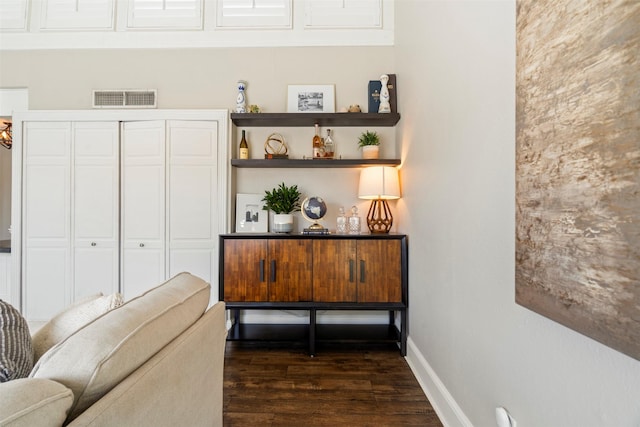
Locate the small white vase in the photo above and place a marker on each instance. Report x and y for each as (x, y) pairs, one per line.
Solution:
(385, 106)
(282, 223)
(241, 101)
(370, 151)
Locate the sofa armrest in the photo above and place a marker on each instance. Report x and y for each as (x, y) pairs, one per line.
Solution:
(34, 402)
(181, 385)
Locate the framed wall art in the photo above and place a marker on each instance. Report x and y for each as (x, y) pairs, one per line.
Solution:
(311, 99)
(577, 168)
(250, 217)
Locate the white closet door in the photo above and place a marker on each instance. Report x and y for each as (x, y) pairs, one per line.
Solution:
(192, 196)
(46, 219)
(143, 206)
(95, 219)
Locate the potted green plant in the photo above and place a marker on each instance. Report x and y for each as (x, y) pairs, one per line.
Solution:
(370, 144)
(283, 201)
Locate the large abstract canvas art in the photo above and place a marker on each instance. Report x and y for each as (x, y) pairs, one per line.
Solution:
(578, 166)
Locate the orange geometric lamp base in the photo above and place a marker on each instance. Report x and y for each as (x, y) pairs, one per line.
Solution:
(379, 218)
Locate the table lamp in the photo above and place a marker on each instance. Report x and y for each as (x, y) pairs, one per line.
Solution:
(379, 184)
(6, 135)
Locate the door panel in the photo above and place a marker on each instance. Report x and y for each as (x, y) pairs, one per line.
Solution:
(46, 219)
(143, 206)
(192, 197)
(379, 271)
(143, 269)
(245, 270)
(334, 271)
(45, 284)
(96, 208)
(193, 260)
(292, 278)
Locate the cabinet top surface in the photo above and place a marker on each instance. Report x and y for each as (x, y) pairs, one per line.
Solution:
(310, 236)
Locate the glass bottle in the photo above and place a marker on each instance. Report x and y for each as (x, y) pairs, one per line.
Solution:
(244, 147)
(317, 142)
(329, 146)
(341, 222)
(354, 221)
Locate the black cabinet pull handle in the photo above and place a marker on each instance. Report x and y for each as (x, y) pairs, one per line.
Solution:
(273, 271)
(361, 271)
(351, 270)
(262, 270)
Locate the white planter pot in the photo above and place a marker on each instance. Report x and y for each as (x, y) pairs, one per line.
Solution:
(282, 223)
(370, 151)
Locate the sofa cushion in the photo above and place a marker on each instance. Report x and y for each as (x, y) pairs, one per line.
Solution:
(71, 319)
(98, 356)
(16, 351)
(31, 402)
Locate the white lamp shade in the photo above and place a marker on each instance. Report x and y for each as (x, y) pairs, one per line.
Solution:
(379, 182)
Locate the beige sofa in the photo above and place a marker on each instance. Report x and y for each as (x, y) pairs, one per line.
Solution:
(155, 361)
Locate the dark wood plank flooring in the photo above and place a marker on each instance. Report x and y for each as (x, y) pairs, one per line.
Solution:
(341, 386)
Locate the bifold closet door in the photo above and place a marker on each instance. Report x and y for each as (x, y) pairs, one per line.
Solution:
(46, 216)
(143, 206)
(70, 214)
(192, 196)
(96, 211)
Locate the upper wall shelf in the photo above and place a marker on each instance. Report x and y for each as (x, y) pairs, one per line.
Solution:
(311, 163)
(310, 119)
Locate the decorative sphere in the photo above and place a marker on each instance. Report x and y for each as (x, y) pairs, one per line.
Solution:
(313, 208)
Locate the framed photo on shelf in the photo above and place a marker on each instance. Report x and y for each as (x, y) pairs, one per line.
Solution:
(311, 99)
(250, 217)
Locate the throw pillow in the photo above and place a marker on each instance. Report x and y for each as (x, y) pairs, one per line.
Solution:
(71, 319)
(16, 351)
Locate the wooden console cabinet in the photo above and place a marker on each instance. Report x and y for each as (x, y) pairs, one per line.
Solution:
(312, 273)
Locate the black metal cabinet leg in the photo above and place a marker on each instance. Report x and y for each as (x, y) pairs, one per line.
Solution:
(403, 333)
(312, 332)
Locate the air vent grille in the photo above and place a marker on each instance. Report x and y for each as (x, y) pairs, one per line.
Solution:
(124, 98)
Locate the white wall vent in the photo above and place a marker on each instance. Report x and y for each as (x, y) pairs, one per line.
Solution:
(125, 98)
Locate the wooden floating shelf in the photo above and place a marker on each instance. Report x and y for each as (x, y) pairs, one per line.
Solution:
(310, 119)
(311, 163)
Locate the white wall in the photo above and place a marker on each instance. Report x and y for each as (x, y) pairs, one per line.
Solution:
(458, 136)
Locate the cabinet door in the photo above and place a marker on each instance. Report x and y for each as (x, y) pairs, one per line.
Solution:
(334, 271)
(95, 211)
(290, 270)
(245, 270)
(379, 271)
(46, 219)
(192, 197)
(143, 206)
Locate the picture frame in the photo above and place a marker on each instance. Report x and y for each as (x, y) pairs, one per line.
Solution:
(311, 99)
(250, 217)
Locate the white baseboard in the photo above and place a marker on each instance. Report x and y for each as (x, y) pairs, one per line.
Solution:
(444, 404)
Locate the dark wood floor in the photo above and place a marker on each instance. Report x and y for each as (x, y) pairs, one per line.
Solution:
(345, 386)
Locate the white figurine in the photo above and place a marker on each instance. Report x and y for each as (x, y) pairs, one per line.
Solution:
(385, 106)
(241, 102)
